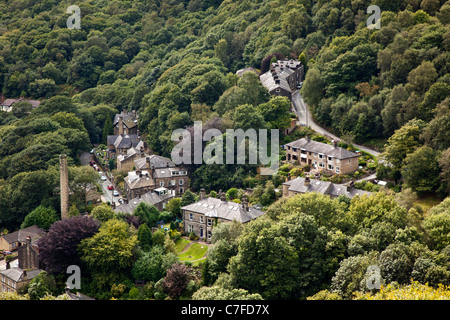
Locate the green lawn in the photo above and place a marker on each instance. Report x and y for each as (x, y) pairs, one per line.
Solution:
(181, 244)
(195, 251)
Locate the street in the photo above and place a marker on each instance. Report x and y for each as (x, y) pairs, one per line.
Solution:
(107, 195)
(305, 118)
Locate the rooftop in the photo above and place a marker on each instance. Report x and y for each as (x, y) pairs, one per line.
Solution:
(149, 197)
(324, 187)
(322, 148)
(21, 235)
(228, 210)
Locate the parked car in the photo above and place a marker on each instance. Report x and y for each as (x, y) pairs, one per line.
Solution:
(116, 193)
(103, 178)
(92, 163)
(110, 187)
(6, 252)
(92, 151)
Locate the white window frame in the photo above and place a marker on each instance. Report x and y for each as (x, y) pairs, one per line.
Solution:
(337, 170)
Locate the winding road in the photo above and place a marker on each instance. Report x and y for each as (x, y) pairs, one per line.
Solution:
(305, 118)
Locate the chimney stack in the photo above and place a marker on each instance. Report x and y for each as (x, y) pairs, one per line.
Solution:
(350, 186)
(308, 138)
(245, 203)
(202, 194)
(120, 125)
(64, 186)
(335, 143)
(307, 180)
(223, 197)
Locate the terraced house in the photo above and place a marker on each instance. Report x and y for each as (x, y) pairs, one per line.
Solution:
(322, 156)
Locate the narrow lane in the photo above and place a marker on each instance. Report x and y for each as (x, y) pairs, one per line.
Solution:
(305, 118)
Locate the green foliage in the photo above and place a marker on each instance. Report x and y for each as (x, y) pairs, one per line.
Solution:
(42, 216)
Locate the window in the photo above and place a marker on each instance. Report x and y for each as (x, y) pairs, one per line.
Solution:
(209, 222)
(181, 190)
(278, 90)
(209, 235)
(190, 228)
(190, 216)
(181, 181)
(161, 183)
(201, 219)
(321, 165)
(320, 156)
(330, 167)
(337, 169)
(330, 158)
(315, 154)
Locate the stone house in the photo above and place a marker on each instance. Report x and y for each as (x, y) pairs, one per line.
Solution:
(322, 156)
(126, 123)
(303, 185)
(8, 104)
(200, 217)
(175, 179)
(14, 240)
(122, 143)
(12, 279)
(158, 197)
(283, 78)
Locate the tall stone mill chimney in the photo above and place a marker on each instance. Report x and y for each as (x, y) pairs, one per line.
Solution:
(64, 186)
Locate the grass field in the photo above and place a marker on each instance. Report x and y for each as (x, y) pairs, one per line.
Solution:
(181, 244)
(194, 252)
(191, 251)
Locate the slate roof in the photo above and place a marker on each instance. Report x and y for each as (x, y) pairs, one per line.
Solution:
(9, 102)
(320, 147)
(124, 141)
(324, 187)
(16, 274)
(155, 161)
(281, 69)
(228, 210)
(21, 235)
(149, 197)
(136, 181)
(167, 172)
(127, 118)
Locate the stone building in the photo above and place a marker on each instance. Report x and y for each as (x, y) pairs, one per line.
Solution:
(158, 197)
(283, 78)
(175, 179)
(303, 185)
(12, 279)
(14, 240)
(200, 217)
(322, 156)
(126, 123)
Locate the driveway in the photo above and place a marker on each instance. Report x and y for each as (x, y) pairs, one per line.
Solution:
(305, 117)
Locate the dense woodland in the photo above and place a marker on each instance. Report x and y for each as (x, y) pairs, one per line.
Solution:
(175, 62)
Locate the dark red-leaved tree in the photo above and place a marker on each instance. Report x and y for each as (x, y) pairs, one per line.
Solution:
(58, 247)
(177, 279)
